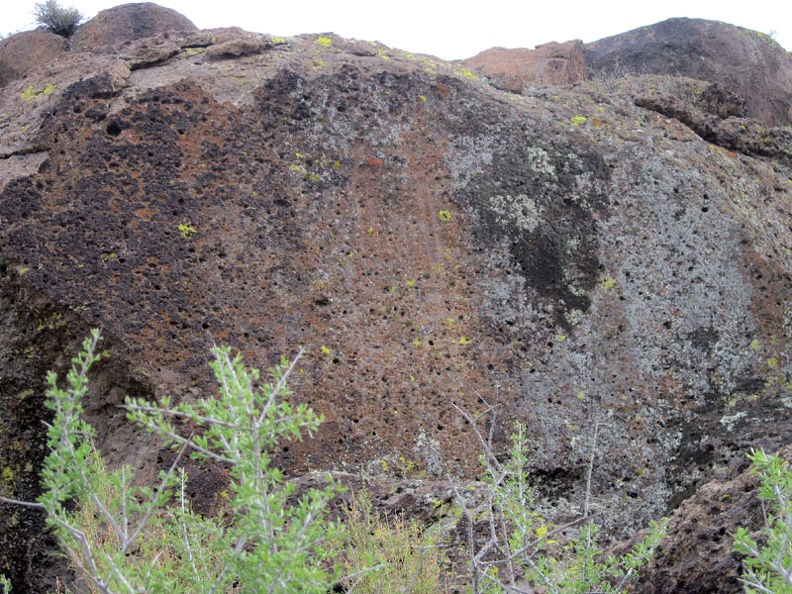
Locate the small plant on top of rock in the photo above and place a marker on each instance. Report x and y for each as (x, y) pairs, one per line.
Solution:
(389, 555)
(61, 21)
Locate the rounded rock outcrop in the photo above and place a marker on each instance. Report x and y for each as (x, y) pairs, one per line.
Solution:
(129, 22)
(513, 69)
(27, 50)
(745, 62)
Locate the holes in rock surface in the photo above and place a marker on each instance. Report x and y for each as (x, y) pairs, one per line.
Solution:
(114, 128)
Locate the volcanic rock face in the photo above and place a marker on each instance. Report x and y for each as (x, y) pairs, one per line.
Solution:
(564, 258)
(745, 62)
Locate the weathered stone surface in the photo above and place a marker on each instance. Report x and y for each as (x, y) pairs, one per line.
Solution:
(565, 256)
(697, 555)
(743, 135)
(513, 69)
(24, 51)
(747, 63)
(115, 26)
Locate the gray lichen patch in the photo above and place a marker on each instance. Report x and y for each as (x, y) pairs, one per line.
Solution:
(540, 200)
(539, 161)
(518, 211)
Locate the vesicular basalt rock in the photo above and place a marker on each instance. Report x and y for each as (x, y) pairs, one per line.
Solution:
(565, 256)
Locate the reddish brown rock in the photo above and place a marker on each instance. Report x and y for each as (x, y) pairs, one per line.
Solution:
(697, 554)
(513, 69)
(128, 22)
(24, 51)
(748, 63)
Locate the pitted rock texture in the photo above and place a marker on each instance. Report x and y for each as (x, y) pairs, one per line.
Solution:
(747, 63)
(697, 555)
(564, 258)
(514, 69)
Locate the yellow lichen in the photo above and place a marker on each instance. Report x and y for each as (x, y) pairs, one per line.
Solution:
(607, 283)
(33, 93)
(187, 231)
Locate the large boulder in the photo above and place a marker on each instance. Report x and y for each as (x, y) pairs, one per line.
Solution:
(22, 52)
(697, 556)
(748, 63)
(129, 22)
(563, 258)
(514, 69)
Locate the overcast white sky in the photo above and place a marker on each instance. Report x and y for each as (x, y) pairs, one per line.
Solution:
(449, 30)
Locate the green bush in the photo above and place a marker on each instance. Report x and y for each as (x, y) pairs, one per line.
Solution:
(768, 566)
(61, 21)
(127, 538)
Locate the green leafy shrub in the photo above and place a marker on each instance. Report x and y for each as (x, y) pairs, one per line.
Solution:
(768, 566)
(589, 570)
(61, 21)
(127, 538)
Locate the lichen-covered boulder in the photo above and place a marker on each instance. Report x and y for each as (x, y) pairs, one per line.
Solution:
(564, 258)
(747, 63)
